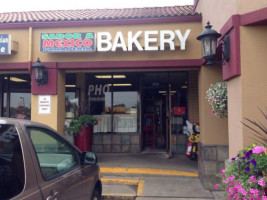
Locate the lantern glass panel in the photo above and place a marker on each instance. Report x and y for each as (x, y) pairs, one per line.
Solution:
(38, 72)
(209, 45)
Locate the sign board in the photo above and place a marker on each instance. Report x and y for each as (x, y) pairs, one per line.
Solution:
(152, 40)
(67, 42)
(44, 104)
(5, 44)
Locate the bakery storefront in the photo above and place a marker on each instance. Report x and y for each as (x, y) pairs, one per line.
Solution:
(140, 72)
(131, 72)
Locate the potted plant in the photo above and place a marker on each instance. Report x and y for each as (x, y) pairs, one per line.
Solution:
(217, 98)
(245, 177)
(81, 127)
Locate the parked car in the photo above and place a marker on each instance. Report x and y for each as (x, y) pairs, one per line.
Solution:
(36, 163)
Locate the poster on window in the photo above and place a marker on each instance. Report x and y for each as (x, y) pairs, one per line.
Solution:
(44, 104)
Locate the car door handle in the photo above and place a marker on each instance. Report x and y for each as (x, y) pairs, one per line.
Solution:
(53, 196)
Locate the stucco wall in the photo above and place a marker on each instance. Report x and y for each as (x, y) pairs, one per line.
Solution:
(244, 6)
(22, 37)
(217, 12)
(213, 130)
(247, 92)
(254, 70)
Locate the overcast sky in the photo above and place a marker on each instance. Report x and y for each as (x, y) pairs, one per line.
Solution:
(34, 5)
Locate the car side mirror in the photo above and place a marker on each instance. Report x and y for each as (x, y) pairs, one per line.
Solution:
(88, 158)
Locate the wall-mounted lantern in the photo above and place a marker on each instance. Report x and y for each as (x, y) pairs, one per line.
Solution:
(208, 40)
(40, 73)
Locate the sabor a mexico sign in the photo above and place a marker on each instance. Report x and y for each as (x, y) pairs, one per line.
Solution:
(103, 41)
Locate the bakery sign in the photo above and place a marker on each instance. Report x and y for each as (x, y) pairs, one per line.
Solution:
(152, 40)
(5, 44)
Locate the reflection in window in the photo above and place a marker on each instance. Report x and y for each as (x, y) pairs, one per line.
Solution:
(20, 105)
(125, 111)
(55, 156)
(11, 163)
(16, 102)
(113, 100)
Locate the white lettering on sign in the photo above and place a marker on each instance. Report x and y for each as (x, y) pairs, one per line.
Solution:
(133, 40)
(168, 40)
(149, 39)
(44, 104)
(98, 90)
(166, 37)
(104, 41)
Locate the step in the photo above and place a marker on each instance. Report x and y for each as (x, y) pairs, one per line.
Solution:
(121, 188)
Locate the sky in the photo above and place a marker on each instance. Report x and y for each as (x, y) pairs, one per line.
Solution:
(37, 5)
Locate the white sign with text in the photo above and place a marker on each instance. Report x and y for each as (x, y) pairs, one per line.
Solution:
(44, 104)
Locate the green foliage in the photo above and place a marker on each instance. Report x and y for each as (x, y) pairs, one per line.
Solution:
(77, 122)
(259, 130)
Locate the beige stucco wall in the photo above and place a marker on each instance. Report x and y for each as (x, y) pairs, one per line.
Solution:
(216, 11)
(56, 118)
(244, 6)
(22, 37)
(234, 92)
(213, 130)
(247, 92)
(219, 11)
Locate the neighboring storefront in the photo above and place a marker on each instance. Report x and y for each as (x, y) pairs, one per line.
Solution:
(141, 73)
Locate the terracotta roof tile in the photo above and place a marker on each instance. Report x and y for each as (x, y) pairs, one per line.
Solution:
(96, 14)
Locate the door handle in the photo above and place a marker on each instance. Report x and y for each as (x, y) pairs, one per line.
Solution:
(53, 196)
(49, 198)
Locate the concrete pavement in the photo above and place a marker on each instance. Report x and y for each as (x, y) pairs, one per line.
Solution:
(151, 176)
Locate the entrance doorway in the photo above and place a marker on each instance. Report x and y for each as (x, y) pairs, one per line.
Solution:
(161, 93)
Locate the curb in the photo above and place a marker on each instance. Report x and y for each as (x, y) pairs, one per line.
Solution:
(147, 171)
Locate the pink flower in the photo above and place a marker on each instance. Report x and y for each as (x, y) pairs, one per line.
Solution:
(258, 150)
(216, 187)
(254, 191)
(264, 197)
(243, 191)
(261, 182)
(231, 178)
(253, 179)
(222, 172)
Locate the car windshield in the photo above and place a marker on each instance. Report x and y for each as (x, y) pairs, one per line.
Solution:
(11, 163)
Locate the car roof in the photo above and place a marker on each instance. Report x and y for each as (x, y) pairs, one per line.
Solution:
(5, 120)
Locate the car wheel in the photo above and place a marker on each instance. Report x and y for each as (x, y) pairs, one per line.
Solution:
(96, 195)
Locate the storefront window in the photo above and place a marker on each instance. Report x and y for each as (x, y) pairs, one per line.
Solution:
(20, 105)
(125, 111)
(113, 99)
(16, 96)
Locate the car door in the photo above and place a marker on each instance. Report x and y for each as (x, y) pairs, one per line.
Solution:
(61, 177)
(17, 174)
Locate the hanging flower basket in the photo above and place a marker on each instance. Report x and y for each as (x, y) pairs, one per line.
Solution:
(217, 98)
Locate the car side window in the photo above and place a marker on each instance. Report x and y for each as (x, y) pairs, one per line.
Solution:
(11, 162)
(55, 155)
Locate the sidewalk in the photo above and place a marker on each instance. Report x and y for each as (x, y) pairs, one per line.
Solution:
(151, 176)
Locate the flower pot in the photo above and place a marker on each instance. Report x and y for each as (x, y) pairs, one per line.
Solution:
(84, 139)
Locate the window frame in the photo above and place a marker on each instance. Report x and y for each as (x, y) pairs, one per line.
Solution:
(57, 137)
